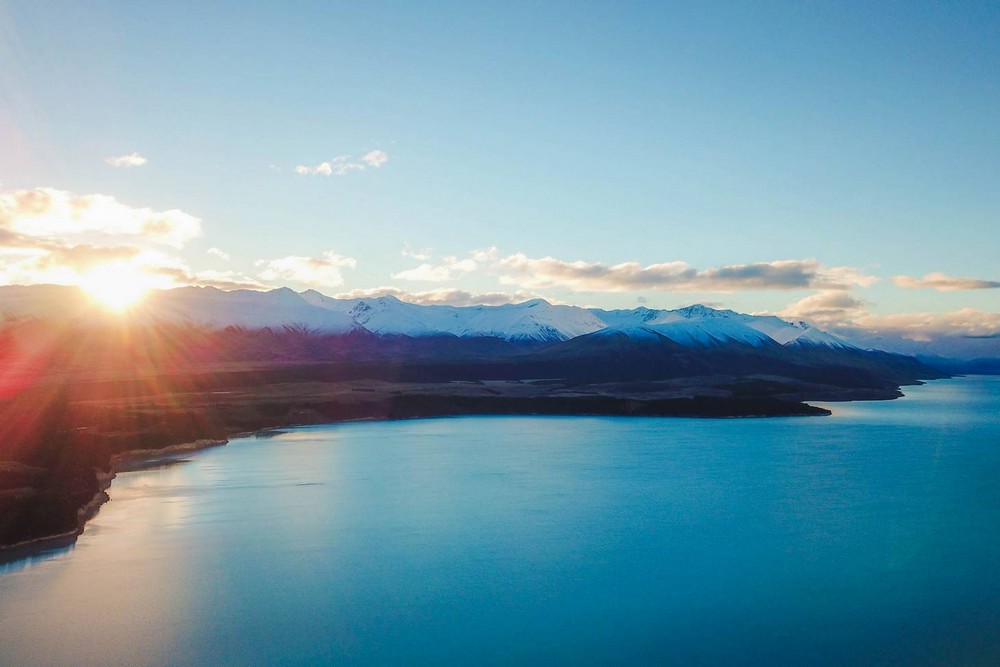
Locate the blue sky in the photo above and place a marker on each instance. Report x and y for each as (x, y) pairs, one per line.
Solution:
(855, 143)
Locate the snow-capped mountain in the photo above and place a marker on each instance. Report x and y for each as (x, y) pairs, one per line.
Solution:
(795, 333)
(701, 326)
(246, 308)
(639, 333)
(535, 320)
(710, 332)
(531, 321)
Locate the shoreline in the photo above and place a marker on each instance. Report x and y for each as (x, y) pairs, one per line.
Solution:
(134, 460)
(699, 407)
(127, 461)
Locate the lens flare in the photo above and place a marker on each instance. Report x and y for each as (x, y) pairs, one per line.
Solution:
(116, 286)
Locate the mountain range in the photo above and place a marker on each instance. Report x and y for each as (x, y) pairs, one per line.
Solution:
(80, 385)
(531, 322)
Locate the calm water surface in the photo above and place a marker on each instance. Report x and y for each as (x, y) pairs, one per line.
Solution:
(869, 537)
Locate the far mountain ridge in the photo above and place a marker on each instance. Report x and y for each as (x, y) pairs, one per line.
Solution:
(535, 321)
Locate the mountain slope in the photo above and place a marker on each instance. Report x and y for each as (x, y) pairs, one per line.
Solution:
(701, 326)
(209, 306)
(535, 320)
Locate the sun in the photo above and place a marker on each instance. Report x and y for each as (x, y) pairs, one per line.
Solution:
(116, 286)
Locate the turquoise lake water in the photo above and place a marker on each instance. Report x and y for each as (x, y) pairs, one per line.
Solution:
(868, 537)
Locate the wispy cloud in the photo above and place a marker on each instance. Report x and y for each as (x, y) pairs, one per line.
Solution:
(447, 297)
(449, 269)
(126, 161)
(375, 158)
(335, 167)
(678, 276)
(419, 255)
(944, 283)
(224, 280)
(485, 255)
(215, 252)
(344, 164)
(323, 271)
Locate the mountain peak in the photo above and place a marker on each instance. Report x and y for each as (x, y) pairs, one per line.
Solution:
(285, 294)
(701, 310)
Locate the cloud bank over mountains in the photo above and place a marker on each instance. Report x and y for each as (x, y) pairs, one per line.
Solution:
(442, 297)
(49, 235)
(675, 276)
(846, 314)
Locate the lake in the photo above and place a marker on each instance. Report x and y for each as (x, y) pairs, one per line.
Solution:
(871, 536)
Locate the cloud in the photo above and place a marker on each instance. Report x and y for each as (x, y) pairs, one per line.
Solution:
(72, 264)
(968, 322)
(46, 212)
(447, 297)
(53, 236)
(343, 165)
(450, 268)
(215, 252)
(322, 168)
(419, 255)
(829, 307)
(484, 255)
(375, 158)
(126, 161)
(224, 280)
(26, 266)
(323, 271)
(425, 272)
(336, 166)
(519, 269)
(84, 257)
(843, 313)
(944, 283)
